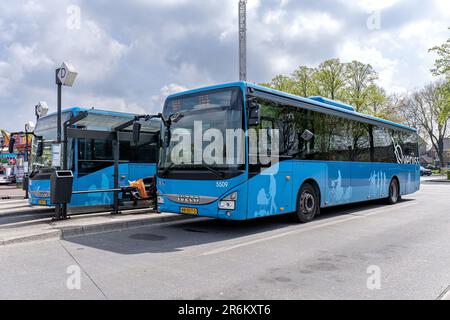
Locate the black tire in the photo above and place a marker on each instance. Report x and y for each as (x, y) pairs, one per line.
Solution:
(308, 204)
(394, 192)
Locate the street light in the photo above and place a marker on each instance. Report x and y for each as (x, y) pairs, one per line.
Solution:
(41, 110)
(29, 128)
(65, 76)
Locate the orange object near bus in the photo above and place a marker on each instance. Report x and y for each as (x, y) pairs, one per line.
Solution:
(139, 184)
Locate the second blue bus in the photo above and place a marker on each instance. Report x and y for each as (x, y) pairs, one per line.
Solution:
(91, 159)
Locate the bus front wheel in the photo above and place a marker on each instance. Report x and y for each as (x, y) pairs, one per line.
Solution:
(394, 192)
(308, 204)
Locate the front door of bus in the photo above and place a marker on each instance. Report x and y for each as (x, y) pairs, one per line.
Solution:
(270, 191)
(270, 181)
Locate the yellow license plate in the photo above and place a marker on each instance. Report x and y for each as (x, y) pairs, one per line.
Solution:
(42, 202)
(189, 211)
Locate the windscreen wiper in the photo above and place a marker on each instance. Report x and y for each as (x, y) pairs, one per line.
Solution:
(168, 169)
(217, 173)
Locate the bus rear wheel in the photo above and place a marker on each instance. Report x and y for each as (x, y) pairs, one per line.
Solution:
(308, 204)
(394, 192)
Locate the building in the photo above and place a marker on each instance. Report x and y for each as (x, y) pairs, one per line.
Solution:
(433, 154)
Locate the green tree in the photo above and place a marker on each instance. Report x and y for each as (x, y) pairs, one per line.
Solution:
(331, 79)
(282, 83)
(304, 79)
(442, 64)
(361, 90)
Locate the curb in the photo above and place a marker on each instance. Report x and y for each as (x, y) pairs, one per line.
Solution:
(435, 181)
(52, 234)
(71, 232)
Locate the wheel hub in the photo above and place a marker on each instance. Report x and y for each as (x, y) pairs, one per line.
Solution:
(307, 203)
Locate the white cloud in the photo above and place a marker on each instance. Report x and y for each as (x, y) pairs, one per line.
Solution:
(131, 55)
(387, 68)
(370, 5)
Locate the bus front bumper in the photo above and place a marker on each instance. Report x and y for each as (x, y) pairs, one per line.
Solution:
(208, 210)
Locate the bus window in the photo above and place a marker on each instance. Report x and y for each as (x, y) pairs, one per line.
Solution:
(360, 149)
(384, 148)
(94, 155)
(141, 153)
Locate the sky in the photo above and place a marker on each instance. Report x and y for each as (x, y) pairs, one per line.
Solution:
(131, 54)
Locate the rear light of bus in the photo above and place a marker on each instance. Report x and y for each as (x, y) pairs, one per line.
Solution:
(229, 202)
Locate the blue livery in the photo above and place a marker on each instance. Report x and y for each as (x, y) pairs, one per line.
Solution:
(91, 160)
(329, 155)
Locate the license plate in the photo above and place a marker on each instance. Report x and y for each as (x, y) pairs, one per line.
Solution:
(42, 202)
(189, 211)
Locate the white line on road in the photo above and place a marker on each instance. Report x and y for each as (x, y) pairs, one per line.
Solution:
(445, 295)
(302, 229)
(7, 202)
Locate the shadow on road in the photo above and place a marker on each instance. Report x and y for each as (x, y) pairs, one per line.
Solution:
(173, 237)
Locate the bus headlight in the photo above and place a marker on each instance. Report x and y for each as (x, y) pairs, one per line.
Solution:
(227, 205)
(160, 200)
(229, 202)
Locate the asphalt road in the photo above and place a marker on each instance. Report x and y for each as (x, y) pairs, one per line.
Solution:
(334, 257)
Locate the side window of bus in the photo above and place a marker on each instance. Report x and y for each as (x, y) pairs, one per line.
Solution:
(143, 152)
(410, 144)
(340, 139)
(361, 142)
(94, 155)
(384, 148)
(273, 117)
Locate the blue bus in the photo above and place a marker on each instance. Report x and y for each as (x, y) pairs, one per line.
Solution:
(327, 155)
(90, 157)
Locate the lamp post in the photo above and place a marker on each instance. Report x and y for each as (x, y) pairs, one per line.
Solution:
(29, 128)
(65, 76)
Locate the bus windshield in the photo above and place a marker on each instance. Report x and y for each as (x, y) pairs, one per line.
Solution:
(217, 111)
(46, 130)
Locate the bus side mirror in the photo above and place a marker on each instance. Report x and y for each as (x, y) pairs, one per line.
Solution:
(12, 141)
(40, 148)
(136, 132)
(167, 137)
(254, 113)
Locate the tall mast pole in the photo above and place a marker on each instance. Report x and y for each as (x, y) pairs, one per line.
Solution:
(243, 40)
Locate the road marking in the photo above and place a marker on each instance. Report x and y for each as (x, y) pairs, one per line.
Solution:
(5, 202)
(298, 230)
(445, 295)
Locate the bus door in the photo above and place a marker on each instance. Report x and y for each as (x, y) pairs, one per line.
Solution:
(270, 183)
(95, 171)
(142, 156)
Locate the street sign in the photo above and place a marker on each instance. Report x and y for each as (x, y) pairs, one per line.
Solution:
(56, 155)
(67, 74)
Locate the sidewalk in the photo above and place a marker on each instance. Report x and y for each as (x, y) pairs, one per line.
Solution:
(44, 229)
(435, 179)
(11, 192)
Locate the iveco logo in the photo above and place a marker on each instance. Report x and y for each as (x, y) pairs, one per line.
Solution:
(188, 199)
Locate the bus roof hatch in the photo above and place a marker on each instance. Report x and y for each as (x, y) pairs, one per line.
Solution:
(332, 103)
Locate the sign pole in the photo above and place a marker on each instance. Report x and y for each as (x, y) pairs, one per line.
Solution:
(59, 84)
(60, 212)
(65, 75)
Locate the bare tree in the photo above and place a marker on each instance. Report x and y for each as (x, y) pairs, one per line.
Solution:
(428, 110)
